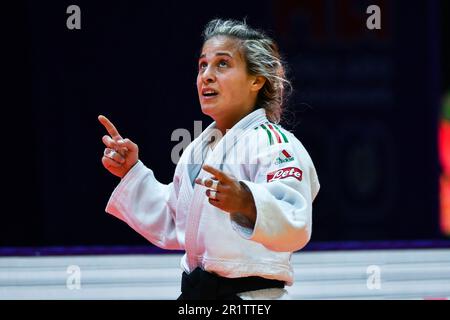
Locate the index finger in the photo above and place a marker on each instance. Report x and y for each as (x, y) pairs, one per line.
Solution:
(109, 127)
(220, 175)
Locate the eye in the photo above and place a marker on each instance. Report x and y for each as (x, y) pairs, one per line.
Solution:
(223, 63)
(202, 65)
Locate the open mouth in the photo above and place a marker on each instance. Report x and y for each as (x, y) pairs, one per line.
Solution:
(208, 93)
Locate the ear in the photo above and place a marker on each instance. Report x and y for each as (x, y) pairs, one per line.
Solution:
(258, 83)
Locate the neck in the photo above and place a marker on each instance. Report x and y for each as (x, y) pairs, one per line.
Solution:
(226, 123)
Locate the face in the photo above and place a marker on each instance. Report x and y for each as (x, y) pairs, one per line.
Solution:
(226, 91)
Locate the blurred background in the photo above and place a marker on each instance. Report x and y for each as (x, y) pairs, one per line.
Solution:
(372, 107)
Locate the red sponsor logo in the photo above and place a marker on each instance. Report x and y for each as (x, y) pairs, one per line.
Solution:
(285, 173)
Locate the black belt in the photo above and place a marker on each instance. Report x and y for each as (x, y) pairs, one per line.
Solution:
(202, 285)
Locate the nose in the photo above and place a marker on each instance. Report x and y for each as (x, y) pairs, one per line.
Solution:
(208, 75)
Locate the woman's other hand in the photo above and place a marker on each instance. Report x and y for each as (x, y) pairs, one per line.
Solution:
(228, 194)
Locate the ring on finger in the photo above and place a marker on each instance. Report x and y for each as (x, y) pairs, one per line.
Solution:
(212, 194)
(214, 184)
(110, 153)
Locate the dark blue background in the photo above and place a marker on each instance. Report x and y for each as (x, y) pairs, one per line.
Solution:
(365, 104)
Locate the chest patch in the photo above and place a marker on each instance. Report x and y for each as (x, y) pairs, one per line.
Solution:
(283, 157)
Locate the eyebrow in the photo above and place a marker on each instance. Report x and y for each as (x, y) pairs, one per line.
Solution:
(217, 54)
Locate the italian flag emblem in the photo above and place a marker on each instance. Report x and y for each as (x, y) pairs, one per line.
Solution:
(284, 157)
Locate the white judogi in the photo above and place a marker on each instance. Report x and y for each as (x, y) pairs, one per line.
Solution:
(269, 160)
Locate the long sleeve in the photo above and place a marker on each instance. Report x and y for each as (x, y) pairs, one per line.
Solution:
(147, 206)
(284, 184)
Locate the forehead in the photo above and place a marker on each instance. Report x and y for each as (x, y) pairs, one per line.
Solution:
(220, 44)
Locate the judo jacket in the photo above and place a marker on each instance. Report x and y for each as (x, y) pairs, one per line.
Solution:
(275, 167)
